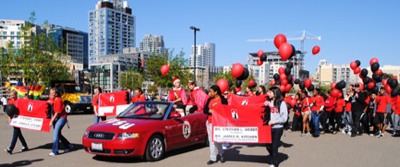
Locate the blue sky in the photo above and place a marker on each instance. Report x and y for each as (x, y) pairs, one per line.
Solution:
(350, 30)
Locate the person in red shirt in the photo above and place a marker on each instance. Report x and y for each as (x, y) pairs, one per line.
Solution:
(297, 122)
(338, 111)
(95, 104)
(305, 112)
(197, 98)
(59, 119)
(328, 113)
(347, 115)
(381, 104)
(316, 110)
(178, 96)
(249, 91)
(396, 108)
(139, 96)
(215, 98)
(12, 108)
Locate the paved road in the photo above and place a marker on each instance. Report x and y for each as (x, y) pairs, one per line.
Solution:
(328, 150)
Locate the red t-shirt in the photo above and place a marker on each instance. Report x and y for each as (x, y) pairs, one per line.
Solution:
(59, 107)
(11, 101)
(213, 102)
(397, 105)
(381, 102)
(138, 98)
(305, 104)
(318, 102)
(330, 104)
(95, 102)
(348, 106)
(339, 105)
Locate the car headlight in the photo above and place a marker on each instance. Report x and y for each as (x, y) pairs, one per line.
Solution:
(128, 135)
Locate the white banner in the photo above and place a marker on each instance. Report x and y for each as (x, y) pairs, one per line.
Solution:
(27, 122)
(105, 110)
(235, 134)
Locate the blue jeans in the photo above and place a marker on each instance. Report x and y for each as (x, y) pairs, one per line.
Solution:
(347, 118)
(315, 118)
(396, 123)
(17, 134)
(98, 118)
(57, 136)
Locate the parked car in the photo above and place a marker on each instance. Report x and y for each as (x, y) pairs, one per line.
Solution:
(145, 129)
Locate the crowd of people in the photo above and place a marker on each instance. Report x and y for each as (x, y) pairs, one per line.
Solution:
(353, 113)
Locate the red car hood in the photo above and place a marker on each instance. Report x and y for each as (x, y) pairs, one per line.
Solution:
(123, 124)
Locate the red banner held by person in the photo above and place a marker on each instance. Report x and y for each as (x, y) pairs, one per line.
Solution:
(111, 104)
(240, 124)
(32, 115)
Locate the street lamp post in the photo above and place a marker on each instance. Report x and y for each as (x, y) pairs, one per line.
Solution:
(195, 29)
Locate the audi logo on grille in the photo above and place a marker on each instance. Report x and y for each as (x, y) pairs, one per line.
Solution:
(99, 135)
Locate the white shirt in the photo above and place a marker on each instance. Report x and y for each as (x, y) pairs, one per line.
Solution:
(4, 100)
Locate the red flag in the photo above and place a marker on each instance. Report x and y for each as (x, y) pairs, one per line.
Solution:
(111, 104)
(236, 100)
(32, 115)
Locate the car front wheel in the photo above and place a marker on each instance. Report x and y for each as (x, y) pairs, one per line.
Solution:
(155, 149)
(68, 108)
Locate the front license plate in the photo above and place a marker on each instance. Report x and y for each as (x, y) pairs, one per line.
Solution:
(97, 146)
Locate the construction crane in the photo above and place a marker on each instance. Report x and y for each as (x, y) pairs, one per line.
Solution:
(304, 36)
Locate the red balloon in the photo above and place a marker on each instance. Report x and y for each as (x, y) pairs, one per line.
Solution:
(251, 83)
(371, 85)
(353, 65)
(357, 70)
(285, 50)
(315, 50)
(281, 70)
(237, 70)
(282, 88)
(333, 85)
(284, 82)
(272, 82)
(307, 82)
(388, 89)
(223, 84)
(288, 87)
(378, 72)
(361, 86)
(164, 70)
(279, 39)
(283, 77)
(340, 94)
(259, 62)
(260, 53)
(335, 93)
(373, 60)
(384, 82)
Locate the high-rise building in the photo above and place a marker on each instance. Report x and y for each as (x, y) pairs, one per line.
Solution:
(153, 44)
(111, 28)
(11, 31)
(205, 55)
(75, 42)
(329, 73)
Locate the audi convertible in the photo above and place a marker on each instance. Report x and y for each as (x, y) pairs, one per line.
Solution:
(146, 129)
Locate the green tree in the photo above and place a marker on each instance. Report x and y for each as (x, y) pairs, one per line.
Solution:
(178, 69)
(38, 59)
(131, 79)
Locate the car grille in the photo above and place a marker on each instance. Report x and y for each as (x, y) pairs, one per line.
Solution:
(85, 99)
(105, 151)
(101, 135)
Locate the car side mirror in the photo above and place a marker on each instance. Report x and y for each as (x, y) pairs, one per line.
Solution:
(175, 114)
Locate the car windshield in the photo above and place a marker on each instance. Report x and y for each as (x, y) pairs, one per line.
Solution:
(145, 110)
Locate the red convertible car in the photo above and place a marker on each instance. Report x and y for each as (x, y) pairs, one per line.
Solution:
(145, 129)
